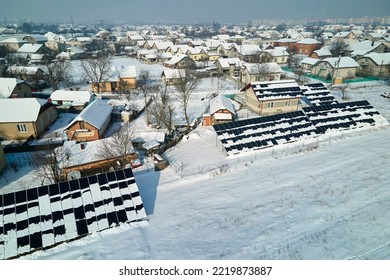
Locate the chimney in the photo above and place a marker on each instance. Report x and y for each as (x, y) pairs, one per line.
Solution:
(82, 146)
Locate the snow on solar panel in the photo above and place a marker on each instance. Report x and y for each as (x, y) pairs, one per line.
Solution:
(265, 132)
(41, 217)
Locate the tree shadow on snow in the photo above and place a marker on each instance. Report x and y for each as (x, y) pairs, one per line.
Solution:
(147, 185)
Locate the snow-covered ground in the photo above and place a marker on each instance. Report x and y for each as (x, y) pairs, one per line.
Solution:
(294, 202)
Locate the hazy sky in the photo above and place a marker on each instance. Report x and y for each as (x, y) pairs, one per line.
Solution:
(184, 11)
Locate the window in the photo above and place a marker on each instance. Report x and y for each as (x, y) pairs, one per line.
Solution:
(21, 127)
(288, 103)
(270, 105)
(82, 126)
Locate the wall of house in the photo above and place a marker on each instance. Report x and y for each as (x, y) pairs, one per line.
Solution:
(246, 78)
(10, 131)
(45, 119)
(252, 102)
(130, 82)
(88, 133)
(307, 49)
(21, 91)
(279, 106)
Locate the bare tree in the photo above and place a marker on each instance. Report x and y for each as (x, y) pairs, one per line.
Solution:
(185, 86)
(57, 72)
(161, 109)
(338, 48)
(97, 69)
(117, 148)
(145, 86)
(46, 162)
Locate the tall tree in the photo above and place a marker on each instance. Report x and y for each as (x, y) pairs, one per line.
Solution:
(187, 82)
(58, 71)
(161, 110)
(145, 86)
(97, 69)
(338, 48)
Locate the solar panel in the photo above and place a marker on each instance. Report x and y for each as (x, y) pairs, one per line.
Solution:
(44, 216)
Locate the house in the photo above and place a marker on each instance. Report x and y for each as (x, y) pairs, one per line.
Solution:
(179, 61)
(278, 55)
(223, 49)
(147, 56)
(12, 44)
(35, 39)
(27, 73)
(24, 118)
(290, 44)
(221, 111)
(3, 162)
(172, 76)
(248, 53)
(65, 99)
(255, 72)
(375, 64)
(91, 123)
(360, 49)
(122, 79)
(307, 64)
(71, 53)
(229, 66)
(321, 53)
(32, 53)
(272, 97)
(152, 141)
(347, 37)
(307, 46)
(14, 88)
(336, 69)
(87, 158)
(197, 54)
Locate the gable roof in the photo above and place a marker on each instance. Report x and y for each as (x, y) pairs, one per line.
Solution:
(7, 85)
(29, 70)
(275, 89)
(173, 73)
(30, 48)
(221, 102)
(248, 49)
(309, 41)
(364, 47)
(20, 109)
(379, 58)
(309, 61)
(96, 114)
(77, 97)
(341, 62)
(258, 68)
(227, 62)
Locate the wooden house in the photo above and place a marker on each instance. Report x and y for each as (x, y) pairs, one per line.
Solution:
(14, 88)
(221, 111)
(91, 123)
(87, 158)
(121, 79)
(273, 97)
(25, 118)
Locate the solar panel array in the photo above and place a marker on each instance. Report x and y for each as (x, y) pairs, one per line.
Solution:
(344, 116)
(318, 94)
(41, 217)
(271, 90)
(264, 132)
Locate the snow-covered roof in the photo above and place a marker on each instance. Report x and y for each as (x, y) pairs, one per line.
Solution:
(248, 49)
(323, 52)
(96, 114)
(275, 89)
(362, 48)
(278, 51)
(221, 102)
(13, 41)
(146, 136)
(379, 58)
(76, 97)
(30, 48)
(20, 109)
(7, 86)
(341, 62)
(227, 62)
(308, 41)
(29, 70)
(269, 67)
(174, 73)
(176, 58)
(309, 60)
(83, 153)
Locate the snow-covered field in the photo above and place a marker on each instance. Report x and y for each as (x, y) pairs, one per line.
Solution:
(294, 202)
